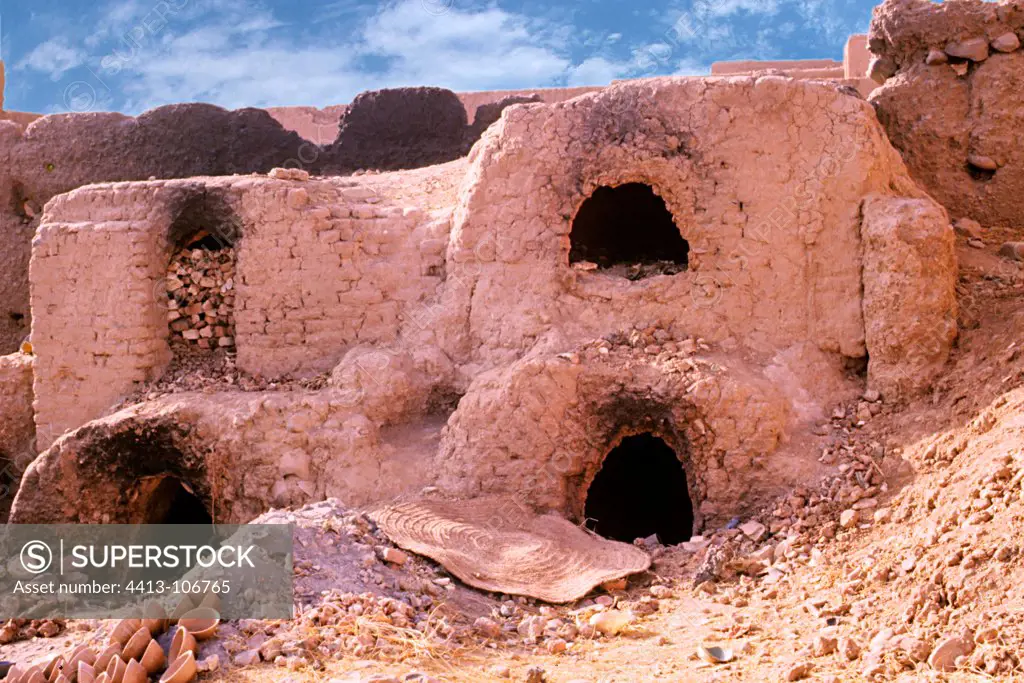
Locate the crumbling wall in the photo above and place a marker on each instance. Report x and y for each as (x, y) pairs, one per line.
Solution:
(910, 301)
(402, 128)
(325, 267)
(542, 427)
(61, 152)
(241, 453)
(764, 178)
(321, 267)
(950, 103)
(97, 289)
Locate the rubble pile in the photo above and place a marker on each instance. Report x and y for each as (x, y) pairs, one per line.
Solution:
(201, 297)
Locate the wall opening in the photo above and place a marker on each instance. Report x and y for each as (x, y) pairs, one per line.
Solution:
(628, 231)
(640, 490)
(201, 274)
(171, 502)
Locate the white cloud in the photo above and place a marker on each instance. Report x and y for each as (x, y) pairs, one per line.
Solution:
(464, 50)
(598, 71)
(235, 63)
(53, 57)
(236, 53)
(723, 8)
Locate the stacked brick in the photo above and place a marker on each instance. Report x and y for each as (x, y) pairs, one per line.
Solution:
(201, 297)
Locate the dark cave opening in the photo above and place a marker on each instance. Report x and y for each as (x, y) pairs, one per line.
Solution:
(640, 490)
(172, 503)
(628, 225)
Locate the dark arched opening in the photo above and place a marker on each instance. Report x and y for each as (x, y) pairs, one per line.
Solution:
(640, 490)
(628, 228)
(201, 274)
(172, 503)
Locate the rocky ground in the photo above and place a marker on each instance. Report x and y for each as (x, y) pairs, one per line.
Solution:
(904, 564)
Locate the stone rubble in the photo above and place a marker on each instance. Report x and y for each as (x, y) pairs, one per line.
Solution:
(200, 297)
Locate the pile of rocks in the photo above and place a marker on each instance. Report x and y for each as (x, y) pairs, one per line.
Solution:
(201, 297)
(23, 629)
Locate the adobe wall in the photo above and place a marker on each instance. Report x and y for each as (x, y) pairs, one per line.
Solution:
(320, 126)
(97, 330)
(61, 152)
(321, 266)
(446, 293)
(326, 265)
(950, 103)
(775, 255)
(474, 100)
(241, 453)
(852, 71)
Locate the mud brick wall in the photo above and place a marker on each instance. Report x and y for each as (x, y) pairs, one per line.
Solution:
(323, 268)
(775, 255)
(100, 328)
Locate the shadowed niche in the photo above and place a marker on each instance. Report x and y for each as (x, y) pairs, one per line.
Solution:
(171, 502)
(628, 225)
(640, 490)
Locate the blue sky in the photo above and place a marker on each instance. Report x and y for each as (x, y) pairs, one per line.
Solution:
(132, 55)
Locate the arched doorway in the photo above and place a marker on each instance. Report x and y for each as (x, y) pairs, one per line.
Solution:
(171, 502)
(628, 228)
(640, 490)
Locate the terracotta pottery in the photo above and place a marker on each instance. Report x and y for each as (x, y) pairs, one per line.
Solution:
(201, 622)
(182, 670)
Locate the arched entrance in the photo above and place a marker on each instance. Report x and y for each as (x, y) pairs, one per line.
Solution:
(171, 502)
(640, 490)
(628, 228)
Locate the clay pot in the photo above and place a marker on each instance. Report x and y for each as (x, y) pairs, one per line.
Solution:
(112, 651)
(153, 658)
(182, 670)
(102, 678)
(33, 675)
(81, 653)
(14, 673)
(137, 644)
(201, 622)
(211, 600)
(184, 606)
(86, 673)
(54, 668)
(115, 670)
(182, 642)
(61, 678)
(154, 617)
(125, 630)
(135, 673)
